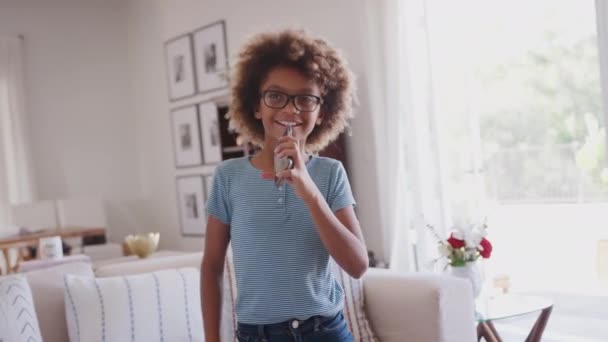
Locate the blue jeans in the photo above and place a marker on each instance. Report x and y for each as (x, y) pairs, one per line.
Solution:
(314, 329)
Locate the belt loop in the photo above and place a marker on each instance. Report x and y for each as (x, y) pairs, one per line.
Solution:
(261, 334)
(317, 322)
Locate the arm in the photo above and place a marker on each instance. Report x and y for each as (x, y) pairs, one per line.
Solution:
(341, 234)
(212, 270)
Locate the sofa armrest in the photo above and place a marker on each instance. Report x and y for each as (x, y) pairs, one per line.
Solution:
(419, 307)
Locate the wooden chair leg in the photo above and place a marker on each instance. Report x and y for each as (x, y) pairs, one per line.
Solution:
(7, 260)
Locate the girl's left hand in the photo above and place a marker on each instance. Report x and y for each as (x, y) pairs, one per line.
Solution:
(298, 176)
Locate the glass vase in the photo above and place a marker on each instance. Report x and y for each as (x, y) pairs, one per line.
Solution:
(470, 270)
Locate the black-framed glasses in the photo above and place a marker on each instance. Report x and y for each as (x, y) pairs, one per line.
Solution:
(303, 103)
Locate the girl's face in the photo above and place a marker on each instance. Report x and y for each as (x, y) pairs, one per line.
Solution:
(288, 96)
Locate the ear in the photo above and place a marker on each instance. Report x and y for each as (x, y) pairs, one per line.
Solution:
(319, 118)
(257, 113)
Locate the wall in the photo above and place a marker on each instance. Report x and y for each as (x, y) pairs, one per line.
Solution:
(97, 98)
(153, 22)
(80, 118)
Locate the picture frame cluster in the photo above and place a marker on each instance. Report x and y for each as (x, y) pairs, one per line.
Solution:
(196, 63)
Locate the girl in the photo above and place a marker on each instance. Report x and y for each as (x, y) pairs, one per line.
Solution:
(284, 235)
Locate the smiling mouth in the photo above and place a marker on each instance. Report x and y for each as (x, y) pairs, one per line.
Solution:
(288, 123)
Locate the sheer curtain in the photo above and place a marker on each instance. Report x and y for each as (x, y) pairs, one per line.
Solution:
(16, 174)
(409, 168)
(601, 10)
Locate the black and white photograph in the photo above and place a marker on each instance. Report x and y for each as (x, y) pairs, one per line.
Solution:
(211, 60)
(186, 137)
(191, 206)
(210, 133)
(180, 67)
(191, 201)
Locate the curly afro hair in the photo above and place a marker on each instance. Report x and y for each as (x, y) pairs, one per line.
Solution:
(312, 56)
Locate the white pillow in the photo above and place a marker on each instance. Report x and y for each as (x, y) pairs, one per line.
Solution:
(47, 287)
(18, 321)
(158, 306)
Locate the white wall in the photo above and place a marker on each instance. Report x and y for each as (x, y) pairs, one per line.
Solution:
(79, 109)
(153, 22)
(98, 104)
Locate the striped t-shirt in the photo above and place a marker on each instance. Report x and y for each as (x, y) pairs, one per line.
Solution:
(282, 267)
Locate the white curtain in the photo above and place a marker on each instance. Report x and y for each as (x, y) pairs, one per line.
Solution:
(16, 174)
(409, 171)
(601, 10)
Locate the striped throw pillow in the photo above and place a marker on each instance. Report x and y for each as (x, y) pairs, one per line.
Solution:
(228, 321)
(18, 320)
(354, 304)
(157, 306)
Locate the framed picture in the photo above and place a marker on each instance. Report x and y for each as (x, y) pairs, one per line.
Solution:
(211, 57)
(191, 205)
(180, 67)
(185, 128)
(210, 133)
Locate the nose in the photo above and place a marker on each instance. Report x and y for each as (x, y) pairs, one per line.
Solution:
(291, 106)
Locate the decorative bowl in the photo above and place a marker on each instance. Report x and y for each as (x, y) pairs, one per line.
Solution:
(142, 245)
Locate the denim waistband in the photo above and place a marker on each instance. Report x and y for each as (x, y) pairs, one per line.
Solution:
(304, 326)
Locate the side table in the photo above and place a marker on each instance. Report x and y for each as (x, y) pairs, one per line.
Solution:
(505, 306)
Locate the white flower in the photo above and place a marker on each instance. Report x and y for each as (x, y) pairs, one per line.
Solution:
(471, 234)
(459, 233)
(469, 254)
(445, 250)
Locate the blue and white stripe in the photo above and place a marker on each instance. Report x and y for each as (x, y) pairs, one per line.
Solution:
(281, 265)
(103, 311)
(160, 307)
(186, 304)
(131, 315)
(71, 299)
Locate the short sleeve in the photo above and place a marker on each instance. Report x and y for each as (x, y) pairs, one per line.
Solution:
(340, 194)
(218, 205)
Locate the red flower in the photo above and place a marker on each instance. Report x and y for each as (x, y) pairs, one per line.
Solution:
(487, 248)
(454, 242)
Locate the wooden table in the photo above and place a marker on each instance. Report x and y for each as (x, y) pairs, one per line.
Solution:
(31, 239)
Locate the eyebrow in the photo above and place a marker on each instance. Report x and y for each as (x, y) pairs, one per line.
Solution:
(299, 91)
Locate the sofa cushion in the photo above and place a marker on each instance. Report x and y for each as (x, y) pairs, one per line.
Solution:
(146, 265)
(157, 306)
(39, 264)
(47, 290)
(18, 322)
(139, 266)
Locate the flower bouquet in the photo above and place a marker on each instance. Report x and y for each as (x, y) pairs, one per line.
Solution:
(466, 243)
(461, 249)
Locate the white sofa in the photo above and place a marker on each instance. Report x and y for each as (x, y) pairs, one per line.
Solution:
(401, 308)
